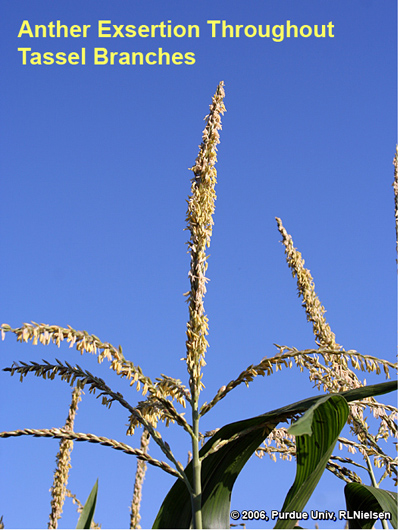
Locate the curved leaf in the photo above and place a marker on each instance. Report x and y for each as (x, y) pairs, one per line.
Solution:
(224, 456)
(316, 436)
(86, 518)
(367, 499)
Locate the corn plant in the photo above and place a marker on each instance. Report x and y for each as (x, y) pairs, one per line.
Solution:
(200, 497)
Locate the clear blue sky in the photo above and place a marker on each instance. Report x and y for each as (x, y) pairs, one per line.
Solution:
(94, 180)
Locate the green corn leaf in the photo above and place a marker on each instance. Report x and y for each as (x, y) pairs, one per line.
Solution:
(225, 454)
(305, 424)
(86, 518)
(366, 499)
(316, 436)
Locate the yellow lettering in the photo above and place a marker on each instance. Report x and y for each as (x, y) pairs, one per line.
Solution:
(177, 58)
(75, 31)
(25, 29)
(267, 32)
(196, 30)
(190, 58)
(124, 58)
(51, 29)
(148, 60)
(37, 31)
(73, 58)
(36, 58)
(162, 54)
(253, 31)
(137, 54)
(118, 31)
(102, 29)
(48, 58)
(24, 50)
(289, 27)
(112, 56)
(62, 27)
(226, 26)
(213, 24)
(162, 28)
(237, 32)
(100, 56)
(305, 28)
(278, 33)
(143, 31)
(179, 31)
(130, 31)
(61, 58)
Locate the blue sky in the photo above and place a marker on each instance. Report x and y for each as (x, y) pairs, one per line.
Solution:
(94, 179)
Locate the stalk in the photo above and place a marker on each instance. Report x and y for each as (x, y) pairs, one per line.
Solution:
(375, 485)
(196, 496)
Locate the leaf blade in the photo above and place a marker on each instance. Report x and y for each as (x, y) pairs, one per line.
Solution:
(368, 498)
(325, 420)
(86, 518)
(237, 441)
